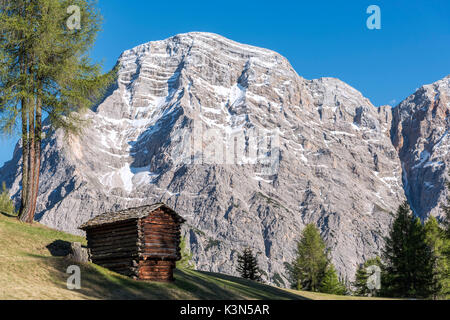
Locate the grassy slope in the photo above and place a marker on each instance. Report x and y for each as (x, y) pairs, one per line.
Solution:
(29, 271)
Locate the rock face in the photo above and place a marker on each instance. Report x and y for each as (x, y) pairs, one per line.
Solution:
(420, 134)
(240, 145)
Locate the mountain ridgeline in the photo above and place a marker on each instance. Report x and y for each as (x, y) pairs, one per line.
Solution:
(302, 151)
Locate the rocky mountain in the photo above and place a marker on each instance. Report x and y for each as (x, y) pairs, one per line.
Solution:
(245, 149)
(419, 133)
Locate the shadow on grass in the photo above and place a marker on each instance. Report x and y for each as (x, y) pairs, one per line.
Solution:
(201, 288)
(59, 248)
(8, 215)
(100, 283)
(252, 289)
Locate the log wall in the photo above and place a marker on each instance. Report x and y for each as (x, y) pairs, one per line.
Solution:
(116, 247)
(156, 270)
(162, 234)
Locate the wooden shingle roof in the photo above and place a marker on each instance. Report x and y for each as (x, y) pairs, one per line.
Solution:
(124, 215)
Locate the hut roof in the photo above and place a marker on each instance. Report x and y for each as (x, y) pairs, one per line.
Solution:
(128, 214)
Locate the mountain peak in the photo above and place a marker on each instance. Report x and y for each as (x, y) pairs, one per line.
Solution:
(234, 140)
(420, 134)
(203, 40)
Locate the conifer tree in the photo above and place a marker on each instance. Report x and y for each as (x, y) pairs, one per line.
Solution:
(409, 261)
(45, 70)
(362, 275)
(435, 238)
(307, 270)
(445, 249)
(248, 266)
(330, 282)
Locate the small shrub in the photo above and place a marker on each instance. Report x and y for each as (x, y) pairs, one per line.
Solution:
(186, 256)
(6, 204)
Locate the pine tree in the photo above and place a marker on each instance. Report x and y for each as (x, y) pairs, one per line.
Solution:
(362, 275)
(45, 70)
(330, 282)
(360, 283)
(409, 261)
(248, 266)
(307, 270)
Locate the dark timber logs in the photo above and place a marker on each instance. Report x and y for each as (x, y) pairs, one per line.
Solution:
(143, 243)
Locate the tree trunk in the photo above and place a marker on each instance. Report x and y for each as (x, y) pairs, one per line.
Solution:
(29, 215)
(37, 159)
(25, 145)
(25, 153)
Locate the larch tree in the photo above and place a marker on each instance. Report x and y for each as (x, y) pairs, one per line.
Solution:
(308, 269)
(435, 238)
(330, 282)
(46, 70)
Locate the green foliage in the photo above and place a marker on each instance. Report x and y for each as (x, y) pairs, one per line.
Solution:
(436, 239)
(409, 260)
(45, 70)
(248, 266)
(308, 269)
(43, 60)
(362, 275)
(186, 256)
(443, 247)
(312, 270)
(6, 204)
(330, 282)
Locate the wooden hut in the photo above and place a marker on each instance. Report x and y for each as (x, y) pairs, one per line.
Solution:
(143, 243)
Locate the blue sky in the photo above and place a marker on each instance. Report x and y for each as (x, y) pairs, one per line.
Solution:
(319, 38)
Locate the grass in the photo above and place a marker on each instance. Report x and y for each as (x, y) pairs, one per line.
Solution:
(29, 271)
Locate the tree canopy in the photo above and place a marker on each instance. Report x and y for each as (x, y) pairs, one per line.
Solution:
(45, 70)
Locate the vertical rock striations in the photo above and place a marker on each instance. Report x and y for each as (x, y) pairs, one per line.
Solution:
(420, 135)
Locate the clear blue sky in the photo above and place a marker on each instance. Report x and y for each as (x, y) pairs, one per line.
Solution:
(320, 38)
